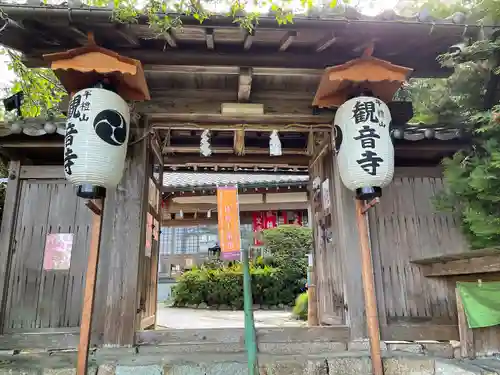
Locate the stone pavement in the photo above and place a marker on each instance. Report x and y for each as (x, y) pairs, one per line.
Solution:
(183, 318)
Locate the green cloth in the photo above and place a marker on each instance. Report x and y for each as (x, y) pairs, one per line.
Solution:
(481, 303)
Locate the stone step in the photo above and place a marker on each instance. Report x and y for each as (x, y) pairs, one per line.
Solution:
(490, 364)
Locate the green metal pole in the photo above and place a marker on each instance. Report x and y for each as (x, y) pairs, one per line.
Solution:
(250, 336)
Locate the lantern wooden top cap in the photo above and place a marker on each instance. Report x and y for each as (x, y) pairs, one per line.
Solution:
(381, 77)
(82, 67)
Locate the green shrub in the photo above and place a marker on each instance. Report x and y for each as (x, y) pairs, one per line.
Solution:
(276, 280)
(300, 308)
(224, 286)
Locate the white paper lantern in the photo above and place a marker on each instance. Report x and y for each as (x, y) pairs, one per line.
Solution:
(97, 132)
(366, 154)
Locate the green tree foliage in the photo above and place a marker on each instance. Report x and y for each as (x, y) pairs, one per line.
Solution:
(472, 176)
(42, 90)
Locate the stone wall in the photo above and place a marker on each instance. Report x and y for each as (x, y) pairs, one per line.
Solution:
(352, 365)
(399, 359)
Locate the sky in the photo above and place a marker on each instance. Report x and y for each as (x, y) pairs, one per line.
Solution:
(368, 7)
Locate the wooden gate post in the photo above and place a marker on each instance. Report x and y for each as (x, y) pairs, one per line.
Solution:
(96, 207)
(369, 287)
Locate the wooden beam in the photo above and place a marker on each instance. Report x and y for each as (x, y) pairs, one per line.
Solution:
(38, 340)
(209, 38)
(173, 207)
(233, 57)
(9, 216)
(235, 335)
(244, 84)
(418, 332)
(169, 38)
(254, 119)
(188, 69)
(326, 42)
(287, 40)
(249, 160)
(42, 172)
(247, 43)
(283, 128)
(33, 144)
(486, 264)
(231, 70)
(124, 32)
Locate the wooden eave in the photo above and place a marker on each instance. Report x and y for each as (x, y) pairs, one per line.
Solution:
(219, 41)
(78, 68)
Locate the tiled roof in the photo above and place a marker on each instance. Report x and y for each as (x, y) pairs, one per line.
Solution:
(179, 179)
(410, 132)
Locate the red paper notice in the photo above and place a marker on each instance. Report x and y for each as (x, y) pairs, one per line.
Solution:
(57, 255)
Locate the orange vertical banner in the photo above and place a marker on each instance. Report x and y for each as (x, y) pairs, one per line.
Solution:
(229, 222)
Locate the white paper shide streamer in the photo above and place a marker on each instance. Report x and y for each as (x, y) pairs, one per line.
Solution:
(366, 154)
(205, 149)
(97, 132)
(274, 144)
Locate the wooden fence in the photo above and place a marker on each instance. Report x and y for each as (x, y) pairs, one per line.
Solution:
(405, 226)
(38, 299)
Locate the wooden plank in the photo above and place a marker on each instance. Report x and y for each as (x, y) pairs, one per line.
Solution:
(148, 322)
(231, 70)
(37, 340)
(51, 310)
(241, 161)
(75, 330)
(236, 335)
(419, 332)
(284, 118)
(28, 257)
(41, 172)
(7, 234)
(486, 264)
(466, 334)
(303, 334)
(377, 266)
(344, 206)
(79, 257)
(230, 150)
(122, 240)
